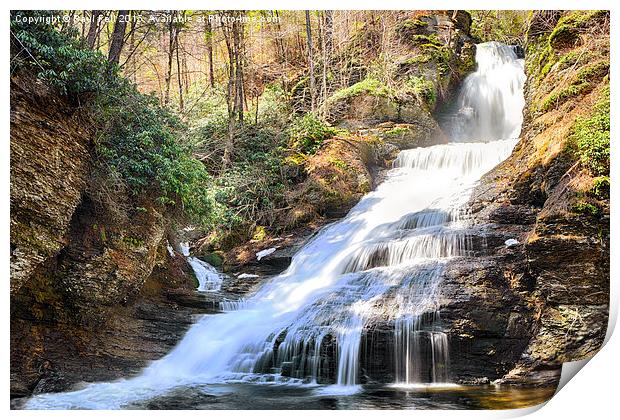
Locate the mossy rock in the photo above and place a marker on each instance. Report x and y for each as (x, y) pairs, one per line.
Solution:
(566, 32)
(212, 258)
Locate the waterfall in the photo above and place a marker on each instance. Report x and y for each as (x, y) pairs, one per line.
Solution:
(491, 99)
(209, 279)
(383, 261)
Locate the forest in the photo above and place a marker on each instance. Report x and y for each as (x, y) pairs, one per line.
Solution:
(246, 97)
(392, 197)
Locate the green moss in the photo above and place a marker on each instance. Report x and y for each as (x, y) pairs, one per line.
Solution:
(260, 233)
(368, 86)
(133, 242)
(426, 41)
(338, 163)
(587, 209)
(397, 132)
(581, 83)
(212, 258)
(295, 159)
(410, 26)
(568, 27)
(590, 137)
(557, 98)
(418, 59)
(424, 89)
(600, 188)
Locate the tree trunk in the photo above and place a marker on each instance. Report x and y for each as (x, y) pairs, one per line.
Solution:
(93, 29)
(230, 96)
(118, 37)
(238, 42)
(209, 34)
(310, 61)
(328, 32)
(168, 77)
(179, 78)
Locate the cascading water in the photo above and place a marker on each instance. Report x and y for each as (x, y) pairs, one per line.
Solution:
(382, 261)
(491, 100)
(209, 279)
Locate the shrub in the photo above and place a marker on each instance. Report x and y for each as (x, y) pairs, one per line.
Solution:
(600, 188)
(58, 58)
(307, 133)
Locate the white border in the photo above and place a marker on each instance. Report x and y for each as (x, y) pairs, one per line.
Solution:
(592, 394)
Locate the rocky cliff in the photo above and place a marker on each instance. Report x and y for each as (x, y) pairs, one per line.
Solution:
(526, 307)
(90, 274)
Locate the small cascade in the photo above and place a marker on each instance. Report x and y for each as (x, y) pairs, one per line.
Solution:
(383, 262)
(209, 279)
(421, 353)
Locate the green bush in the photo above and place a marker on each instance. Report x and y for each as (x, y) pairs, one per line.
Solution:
(137, 138)
(307, 133)
(600, 188)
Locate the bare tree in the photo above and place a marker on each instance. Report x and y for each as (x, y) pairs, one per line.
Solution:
(233, 37)
(172, 38)
(328, 35)
(209, 39)
(179, 72)
(310, 61)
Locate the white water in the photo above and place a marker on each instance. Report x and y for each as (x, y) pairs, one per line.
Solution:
(491, 100)
(382, 261)
(209, 279)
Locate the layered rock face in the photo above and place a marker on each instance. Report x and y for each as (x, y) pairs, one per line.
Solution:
(90, 273)
(525, 308)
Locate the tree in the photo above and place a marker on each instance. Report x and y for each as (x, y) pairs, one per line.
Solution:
(310, 61)
(182, 14)
(118, 36)
(209, 39)
(328, 42)
(93, 29)
(233, 37)
(172, 43)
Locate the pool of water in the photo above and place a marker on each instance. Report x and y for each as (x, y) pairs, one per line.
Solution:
(246, 396)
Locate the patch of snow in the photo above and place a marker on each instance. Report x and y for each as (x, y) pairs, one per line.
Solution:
(247, 276)
(170, 249)
(511, 242)
(264, 253)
